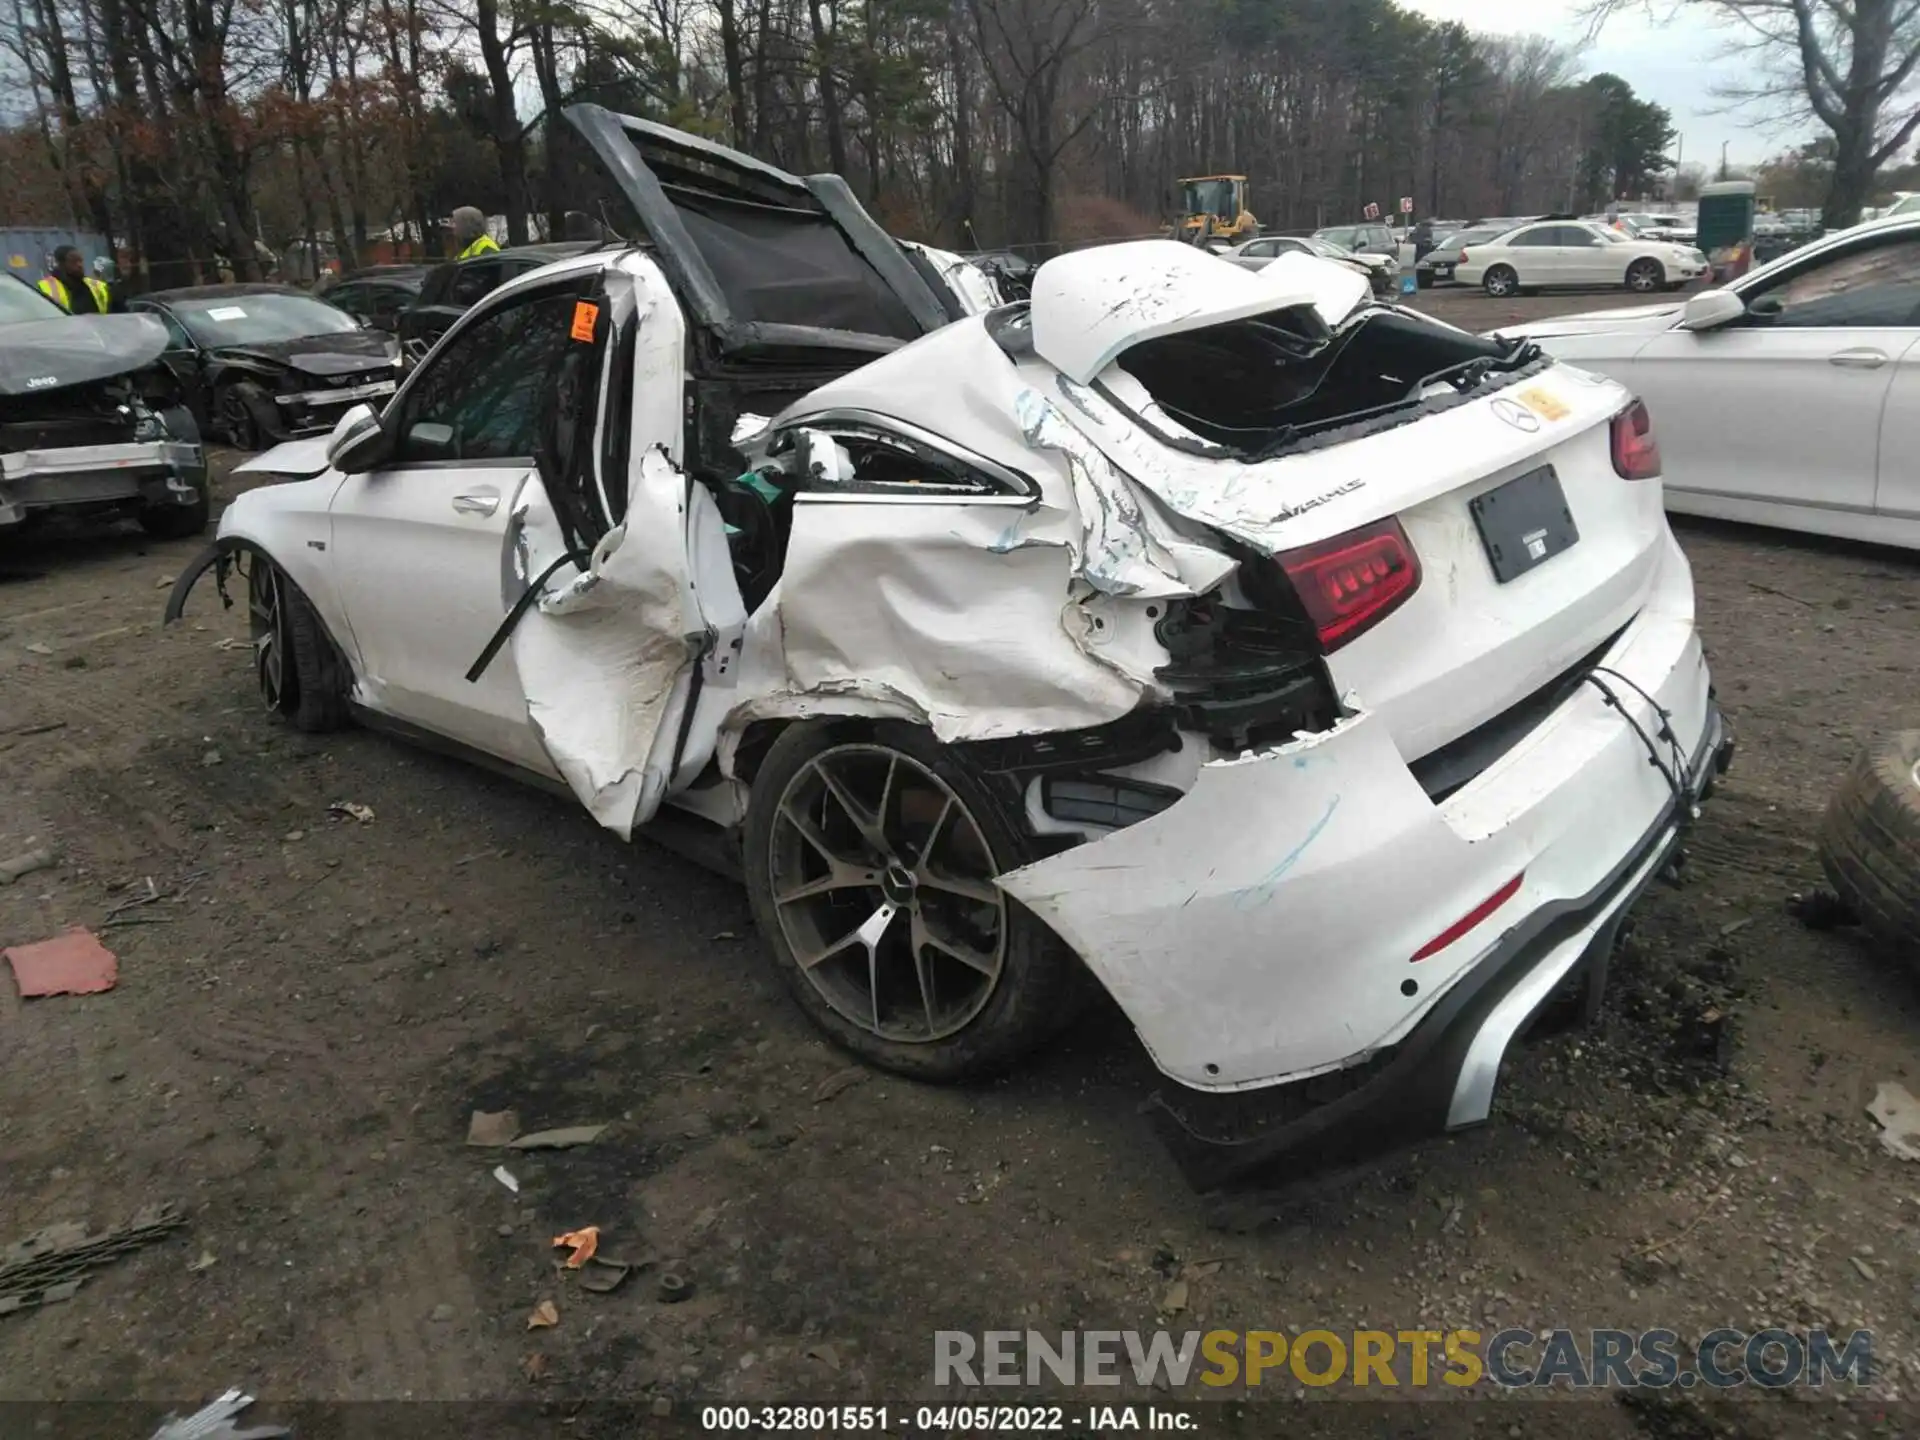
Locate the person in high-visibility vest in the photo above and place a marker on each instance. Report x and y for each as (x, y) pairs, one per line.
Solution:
(470, 233)
(69, 286)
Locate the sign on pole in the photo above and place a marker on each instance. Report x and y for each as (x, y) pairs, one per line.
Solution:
(1372, 211)
(1406, 204)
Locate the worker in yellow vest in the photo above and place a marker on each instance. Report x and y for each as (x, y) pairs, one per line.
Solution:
(470, 233)
(69, 286)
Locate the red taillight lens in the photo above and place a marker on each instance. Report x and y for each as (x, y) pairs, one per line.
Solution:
(1636, 454)
(1353, 581)
(1472, 918)
(1463, 257)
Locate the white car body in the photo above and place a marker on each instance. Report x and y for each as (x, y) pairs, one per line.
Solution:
(1810, 421)
(1549, 253)
(1391, 894)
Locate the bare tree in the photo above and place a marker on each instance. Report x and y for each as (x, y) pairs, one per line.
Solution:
(1845, 64)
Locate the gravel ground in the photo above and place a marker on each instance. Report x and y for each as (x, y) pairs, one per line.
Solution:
(307, 1016)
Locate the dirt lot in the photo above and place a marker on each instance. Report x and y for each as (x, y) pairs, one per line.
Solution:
(306, 1019)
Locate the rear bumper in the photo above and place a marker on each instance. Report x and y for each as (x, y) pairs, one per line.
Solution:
(146, 473)
(1306, 918)
(1442, 1076)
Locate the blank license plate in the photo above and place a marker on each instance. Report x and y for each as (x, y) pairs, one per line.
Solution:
(1524, 523)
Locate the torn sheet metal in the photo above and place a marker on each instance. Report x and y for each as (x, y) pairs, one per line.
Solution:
(937, 607)
(1090, 305)
(607, 656)
(611, 655)
(1297, 499)
(1120, 552)
(1212, 923)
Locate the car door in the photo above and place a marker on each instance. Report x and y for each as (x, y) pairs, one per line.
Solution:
(1896, 283)
(418, 543)
(1786, 406)
(1583, 258)
(1538, 256)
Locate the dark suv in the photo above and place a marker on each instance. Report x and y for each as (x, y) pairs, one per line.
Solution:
(450, 290)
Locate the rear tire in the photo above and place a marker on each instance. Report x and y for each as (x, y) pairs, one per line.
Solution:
(301, 676)
(1870, 842)
(847, 818)
(1645, 276)
(1500, 282)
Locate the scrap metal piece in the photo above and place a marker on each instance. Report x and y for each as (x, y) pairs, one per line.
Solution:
(49, 1265)
(214, 1421)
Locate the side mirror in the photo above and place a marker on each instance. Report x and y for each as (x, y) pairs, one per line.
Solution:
(357, 443)
(1711, 309)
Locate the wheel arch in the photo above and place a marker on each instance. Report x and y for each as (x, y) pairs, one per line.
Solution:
(219, 557)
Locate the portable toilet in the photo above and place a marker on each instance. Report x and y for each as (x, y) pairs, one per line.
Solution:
(1725, 228)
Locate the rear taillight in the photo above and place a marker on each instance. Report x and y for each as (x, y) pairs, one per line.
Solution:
(1636, 454)
(1463, 257)
(1353, 581)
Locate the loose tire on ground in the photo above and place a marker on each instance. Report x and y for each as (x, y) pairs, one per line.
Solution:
(1038, 984)
(1870, 841)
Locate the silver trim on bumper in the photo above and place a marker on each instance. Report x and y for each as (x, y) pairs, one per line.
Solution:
(99, 459)
(344, 393)
(1480, 1069)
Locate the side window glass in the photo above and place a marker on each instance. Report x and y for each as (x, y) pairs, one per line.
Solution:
(474, 282)
(1577, 235)
(483, 397)
(1874, 288)
(1539, 235)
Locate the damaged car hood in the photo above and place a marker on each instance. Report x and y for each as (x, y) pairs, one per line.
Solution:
(1092, 304)
(51, 354)
(346, 353)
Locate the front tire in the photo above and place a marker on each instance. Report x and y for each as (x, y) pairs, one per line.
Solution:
(237, 408)
(300, 675)
(1646, 276)
(870, 851)
(1500, 282)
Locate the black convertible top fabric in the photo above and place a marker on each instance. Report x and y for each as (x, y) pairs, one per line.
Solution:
(780, 266)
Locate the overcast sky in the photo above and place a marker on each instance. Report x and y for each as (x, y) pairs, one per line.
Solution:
(1673, 62)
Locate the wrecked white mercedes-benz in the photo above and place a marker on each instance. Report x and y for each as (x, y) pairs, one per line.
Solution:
(1320, 679)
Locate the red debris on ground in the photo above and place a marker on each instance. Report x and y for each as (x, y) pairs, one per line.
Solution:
(75, 963)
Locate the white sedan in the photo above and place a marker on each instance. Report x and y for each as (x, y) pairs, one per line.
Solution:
(1551, 253)
(1330, 720)
(1789, 398)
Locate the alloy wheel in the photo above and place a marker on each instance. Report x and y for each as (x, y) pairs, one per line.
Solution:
(265, 622)
(237, 420)
(882, 881)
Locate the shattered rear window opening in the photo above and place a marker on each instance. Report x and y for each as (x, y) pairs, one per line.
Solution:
(1256, 386)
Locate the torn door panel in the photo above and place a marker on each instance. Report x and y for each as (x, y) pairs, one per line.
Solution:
(606, 656)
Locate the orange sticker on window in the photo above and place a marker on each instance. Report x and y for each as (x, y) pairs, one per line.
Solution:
(585, 317)
(1543, 404)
